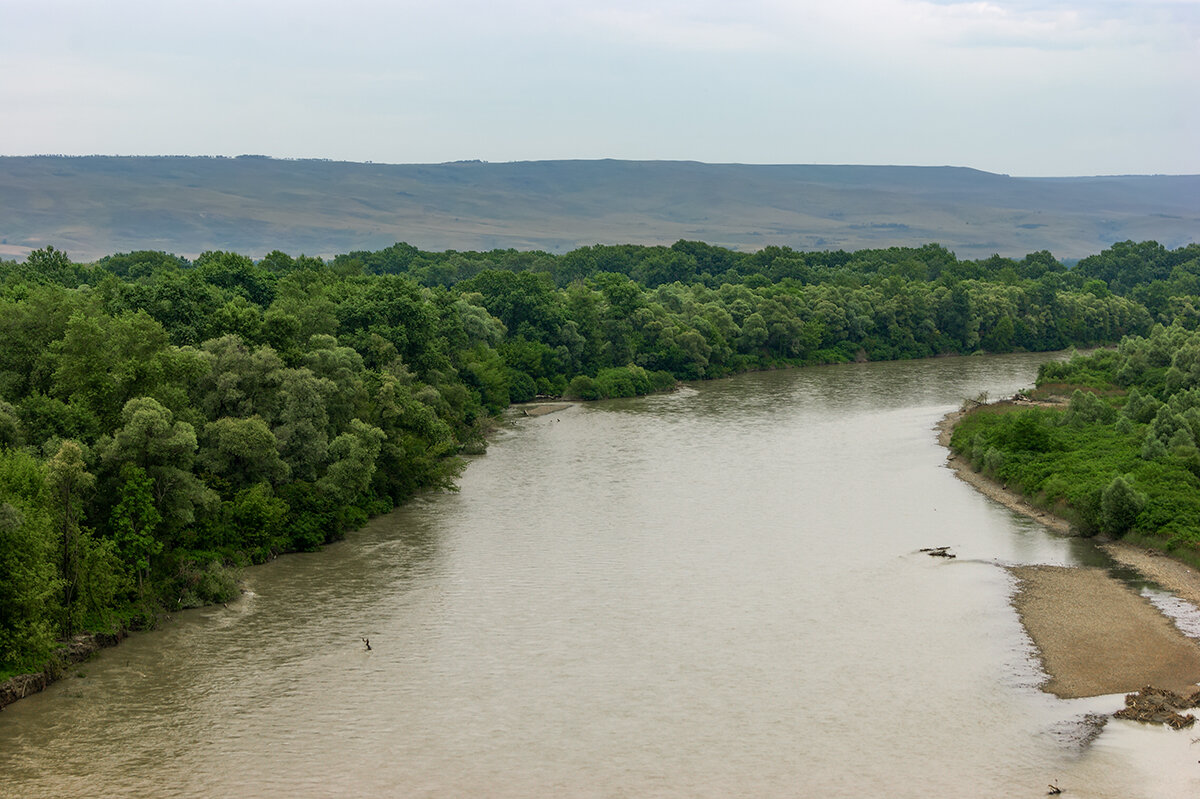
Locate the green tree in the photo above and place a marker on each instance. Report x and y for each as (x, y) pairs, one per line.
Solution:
(134, 522)
(10, 426)
(68, 483)
(102, 362)
(30, 588)
(165, 449)
(1120, 505)
(256, 516)
(242, 451)
(354, 454)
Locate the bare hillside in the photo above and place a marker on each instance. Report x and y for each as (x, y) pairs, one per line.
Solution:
(96, 205)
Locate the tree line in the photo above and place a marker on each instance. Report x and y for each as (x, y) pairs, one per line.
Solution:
(165, 420)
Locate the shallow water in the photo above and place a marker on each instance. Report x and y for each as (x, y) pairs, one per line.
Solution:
(712, 593)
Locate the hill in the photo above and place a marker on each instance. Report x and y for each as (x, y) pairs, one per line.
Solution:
(97, 205)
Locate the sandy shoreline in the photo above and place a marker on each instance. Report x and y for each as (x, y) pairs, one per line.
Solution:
(1093, 634)
(542, 408)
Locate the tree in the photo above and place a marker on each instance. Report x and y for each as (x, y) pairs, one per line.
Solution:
(10, 426)
(239, 274)
(241, 381)
(256, 515)
(354, 454)
(165, 449)
(102, 362)
(30, 587)
(134, 521)
(1120, 505)
(141, 264)
(48, 265)
(303, 421)
(243, 451)
(68, 481)
(525, 303)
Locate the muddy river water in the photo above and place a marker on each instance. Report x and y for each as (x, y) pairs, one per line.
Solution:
(712, 593)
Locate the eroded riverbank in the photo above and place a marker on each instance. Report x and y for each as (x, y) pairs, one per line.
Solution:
(79, 649)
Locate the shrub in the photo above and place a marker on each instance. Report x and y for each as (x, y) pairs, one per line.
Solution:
(583, 388)
(1120, 505)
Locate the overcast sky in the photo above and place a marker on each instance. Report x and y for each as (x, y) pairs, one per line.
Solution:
(1024, 87)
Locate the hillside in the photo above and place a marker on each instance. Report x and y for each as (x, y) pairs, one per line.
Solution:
(97, 205)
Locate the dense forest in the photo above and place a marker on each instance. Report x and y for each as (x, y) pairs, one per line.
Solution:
(165, 421)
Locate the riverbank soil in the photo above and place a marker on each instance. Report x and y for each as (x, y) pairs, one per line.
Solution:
(1094, 635)
(1097, 637)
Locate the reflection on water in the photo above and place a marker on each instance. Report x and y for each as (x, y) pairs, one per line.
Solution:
(712, 593)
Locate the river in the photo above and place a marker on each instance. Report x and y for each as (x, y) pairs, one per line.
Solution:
(712, 593)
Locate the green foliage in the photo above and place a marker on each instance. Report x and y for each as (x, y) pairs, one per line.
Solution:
(134, 521)
(203, 579)
(255, 517)
(584, 388)
(10, 426)
(29, 582)
(1087, 408)
(68, 484)
(242, 451)
(179, 417)
(1029, 432)
(1120, 505)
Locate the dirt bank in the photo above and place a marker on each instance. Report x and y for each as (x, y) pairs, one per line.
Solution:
(78, 650)
(1179, 578)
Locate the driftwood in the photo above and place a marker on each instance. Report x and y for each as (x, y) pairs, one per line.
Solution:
(938, 552)
(1158, 706)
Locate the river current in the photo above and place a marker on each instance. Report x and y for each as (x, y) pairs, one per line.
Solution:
(712, 593)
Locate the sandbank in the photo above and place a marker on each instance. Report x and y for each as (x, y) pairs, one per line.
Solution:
(542, 408)
(1096, 636)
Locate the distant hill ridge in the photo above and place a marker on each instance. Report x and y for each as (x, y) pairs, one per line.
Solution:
(97, 205)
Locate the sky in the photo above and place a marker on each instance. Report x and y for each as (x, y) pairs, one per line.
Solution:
(1020, 87)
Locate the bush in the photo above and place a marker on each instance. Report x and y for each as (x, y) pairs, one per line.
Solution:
(204, 579)
(583, 388)
(1120, 505)
(1087, 408)
(623, 381)
(521, 387)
